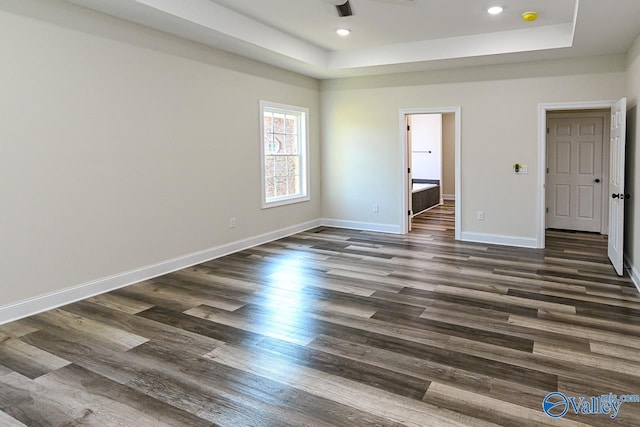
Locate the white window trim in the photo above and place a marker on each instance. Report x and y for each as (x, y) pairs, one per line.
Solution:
(304, 164)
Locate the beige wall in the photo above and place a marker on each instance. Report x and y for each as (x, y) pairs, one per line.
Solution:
(361, 149)
(448, 154)
(122, 147)
(632, 178)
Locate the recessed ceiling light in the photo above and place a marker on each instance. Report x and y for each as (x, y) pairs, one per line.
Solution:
(343, 32)
(495, 10)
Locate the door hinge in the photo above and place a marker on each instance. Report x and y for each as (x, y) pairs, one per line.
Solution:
(547, 210)
(409, 213)
(408, 128)
(547, 130)
(547, 170)
(408, 170)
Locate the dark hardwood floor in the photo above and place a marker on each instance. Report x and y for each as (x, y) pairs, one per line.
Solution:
(339, 327)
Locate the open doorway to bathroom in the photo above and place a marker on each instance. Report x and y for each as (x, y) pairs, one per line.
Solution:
(431, 148)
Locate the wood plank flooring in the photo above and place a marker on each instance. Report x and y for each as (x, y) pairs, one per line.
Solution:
(339, 327)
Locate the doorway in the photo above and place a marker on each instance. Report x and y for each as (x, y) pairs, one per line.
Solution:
(616, 163)
(577, 170)
(426, 145)
(436, 172)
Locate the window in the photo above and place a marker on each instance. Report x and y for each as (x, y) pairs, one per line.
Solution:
(284, 154)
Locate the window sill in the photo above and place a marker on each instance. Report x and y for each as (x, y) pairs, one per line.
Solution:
(284, 202)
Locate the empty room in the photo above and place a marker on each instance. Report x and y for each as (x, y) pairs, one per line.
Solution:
(210, 212)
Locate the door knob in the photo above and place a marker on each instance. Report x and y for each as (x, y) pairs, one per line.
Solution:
(615, 195)
(597, 180)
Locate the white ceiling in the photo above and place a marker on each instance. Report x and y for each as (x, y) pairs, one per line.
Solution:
(383, 22)
(389, 35)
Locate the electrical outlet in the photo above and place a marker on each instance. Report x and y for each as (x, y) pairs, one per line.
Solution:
(232, 222)
(375, 209)
(480, 216)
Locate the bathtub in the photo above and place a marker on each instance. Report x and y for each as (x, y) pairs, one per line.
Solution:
(424, 195)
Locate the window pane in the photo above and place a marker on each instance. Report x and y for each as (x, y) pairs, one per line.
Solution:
(278, 147)
(281, 166)
(291, 124)
(294, 185)
(281, 186)
(268, 122)
(268, 144)
(273, 144)
(293, 165)
(270, 187)
(269, 166)
(291, 144)
(278, 123)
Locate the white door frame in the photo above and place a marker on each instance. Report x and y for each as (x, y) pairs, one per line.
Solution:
(404, 162)
(542, 153)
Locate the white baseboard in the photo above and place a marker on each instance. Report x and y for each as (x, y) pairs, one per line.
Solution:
(52, 300)
(46, 302)
(495, 239)
(633, 272)
(449, 196)
(365, 226)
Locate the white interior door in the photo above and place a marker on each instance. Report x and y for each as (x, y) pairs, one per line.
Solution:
(616, 185)
(574, 176)
(409, 183)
